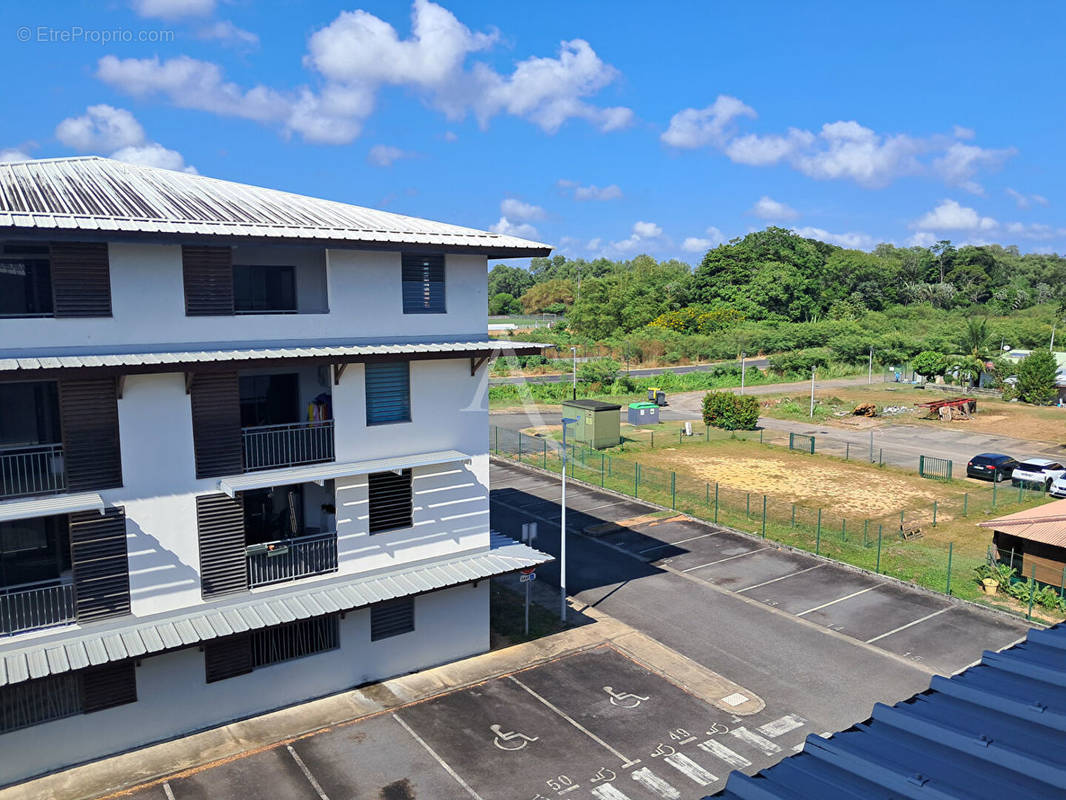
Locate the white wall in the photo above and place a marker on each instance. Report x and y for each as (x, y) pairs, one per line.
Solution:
(173, 698)
(364, 298)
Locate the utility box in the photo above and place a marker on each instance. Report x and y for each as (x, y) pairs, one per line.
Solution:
(597, 424)
(643, 414)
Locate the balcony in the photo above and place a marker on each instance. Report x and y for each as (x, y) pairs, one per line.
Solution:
(289, 559)
(35, 469)
(287, 445)
(36, 605)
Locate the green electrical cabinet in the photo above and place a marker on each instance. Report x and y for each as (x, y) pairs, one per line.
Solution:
(597, 422)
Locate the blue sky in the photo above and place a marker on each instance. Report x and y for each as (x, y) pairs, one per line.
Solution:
(601, 128)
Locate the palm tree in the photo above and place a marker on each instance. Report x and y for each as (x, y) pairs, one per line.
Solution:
(975, 338)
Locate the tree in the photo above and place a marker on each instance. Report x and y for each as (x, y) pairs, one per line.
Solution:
(930, 364)
(504, 303)
(544, 295)
(505, 279)
(730, 411)
(1037, 373)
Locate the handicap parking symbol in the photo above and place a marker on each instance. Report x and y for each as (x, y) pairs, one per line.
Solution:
(624, 699)
(510, 740)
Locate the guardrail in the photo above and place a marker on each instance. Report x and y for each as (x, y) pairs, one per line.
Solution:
(287, 445)
(33, 469)
(30, 606)
(289, 559)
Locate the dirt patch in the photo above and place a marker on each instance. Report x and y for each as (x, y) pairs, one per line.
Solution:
(846, 488)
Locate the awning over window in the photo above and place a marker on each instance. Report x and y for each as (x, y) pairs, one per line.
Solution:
(31, 507)
(333, 469)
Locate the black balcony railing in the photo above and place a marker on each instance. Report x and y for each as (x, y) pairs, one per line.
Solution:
(32, 469)
(36, 605)
(273, 446)
(289, 559)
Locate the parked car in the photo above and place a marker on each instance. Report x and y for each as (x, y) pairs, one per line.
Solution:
(1058, 487)
(991, 467)
(1037, 472)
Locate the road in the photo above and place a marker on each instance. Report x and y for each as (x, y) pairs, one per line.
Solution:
(761, 363)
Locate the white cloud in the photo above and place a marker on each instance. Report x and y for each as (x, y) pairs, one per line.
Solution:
(642, 232)
(358, 53)
(851, 240)
(14, 154)
(100, 128)
(383, 155)
(173, 9)
(153, 154)
(521, 229)
(647, 230)
(1035, 230)
(594, 244)
(951, 216)
(922, 239)
(592, 191)
(769, 209)
(712, 125)
(450, 136)
(115, 131)
(516, 209)
(227, 33)
(842, 150)
(698, 244)
(1025, 200)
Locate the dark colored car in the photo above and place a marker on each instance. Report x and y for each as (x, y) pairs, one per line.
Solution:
(991, 467)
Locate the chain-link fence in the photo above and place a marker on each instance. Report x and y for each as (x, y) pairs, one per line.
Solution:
(892, 544)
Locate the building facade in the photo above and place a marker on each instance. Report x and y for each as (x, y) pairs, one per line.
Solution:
(243, 453)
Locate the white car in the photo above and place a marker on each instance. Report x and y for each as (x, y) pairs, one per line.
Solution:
(1058, 487)
(1037, 472)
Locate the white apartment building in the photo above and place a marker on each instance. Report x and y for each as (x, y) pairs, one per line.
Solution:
(243, 453)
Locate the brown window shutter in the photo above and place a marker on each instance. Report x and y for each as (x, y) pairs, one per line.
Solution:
(108, 686)
(81, 279)
(227, 658)
(208, 275)
(101, 569)
(91, 453)
(216, 424)
(223, 560)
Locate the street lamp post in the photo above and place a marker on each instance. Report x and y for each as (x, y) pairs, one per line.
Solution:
(574, 397)
(870, 378)
(743, 369)
(562, 529)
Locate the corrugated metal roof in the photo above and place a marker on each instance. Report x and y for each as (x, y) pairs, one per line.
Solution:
(30, 507)
(1046, 523)
(996, 730)
(335, 469)
(104, 196)
(30, 361)
(131, 638)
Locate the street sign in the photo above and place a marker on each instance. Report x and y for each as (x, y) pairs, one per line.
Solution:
(527, 576)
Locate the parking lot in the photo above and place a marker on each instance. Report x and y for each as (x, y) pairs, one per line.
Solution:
(594, 725)
(924, 628)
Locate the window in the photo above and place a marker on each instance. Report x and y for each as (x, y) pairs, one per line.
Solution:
(25, 281)
(33, 550)
(55, 697)
(390, 500)
(423, 284)
(264, 289)
(273, 514)
(239, 655)
(388, 392)
(30, 413)
(269, 399)
(392, 618)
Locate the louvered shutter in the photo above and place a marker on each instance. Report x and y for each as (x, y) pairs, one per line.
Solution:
(223, 560)
(388, 392)
(108, 686)
(392, 618)
(390, 500)
(89, 413)
(81, 279)
(423, 284)
(208, 276)
(216, 424)
(101, 568)
(227, 658)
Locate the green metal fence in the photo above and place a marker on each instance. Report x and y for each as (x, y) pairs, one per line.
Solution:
(799, 441)
(936, 468)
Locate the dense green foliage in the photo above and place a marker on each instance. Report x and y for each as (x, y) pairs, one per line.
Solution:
(731, 412)
(1036, 377)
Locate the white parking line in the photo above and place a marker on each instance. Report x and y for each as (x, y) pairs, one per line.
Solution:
(690, 769)
(787, 723)
(775, 580)
(728, 558)
(649, 780)
(307, 773)
(439, 760)
(909, 624)
(838, 600)
(679, 541)
(168, 791)
(730, 757)
(608, 791)
(625, 761)
(755, 740)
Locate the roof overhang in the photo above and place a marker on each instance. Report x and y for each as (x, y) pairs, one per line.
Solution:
(122, 639)
(29, 508)
(334, 469)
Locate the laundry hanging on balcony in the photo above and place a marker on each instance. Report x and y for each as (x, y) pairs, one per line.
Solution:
(320, 409)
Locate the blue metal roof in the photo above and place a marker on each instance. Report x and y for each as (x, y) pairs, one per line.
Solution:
(996, 730)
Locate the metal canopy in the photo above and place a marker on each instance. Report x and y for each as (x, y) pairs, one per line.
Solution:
(99, 198)
(996, 729)
(31, 507)
(118, 640)
(334, 469)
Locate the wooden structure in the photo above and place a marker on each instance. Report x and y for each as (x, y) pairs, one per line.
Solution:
(1035, 540)
(950, 408)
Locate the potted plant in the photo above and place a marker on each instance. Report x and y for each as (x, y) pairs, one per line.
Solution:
(988, 577)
